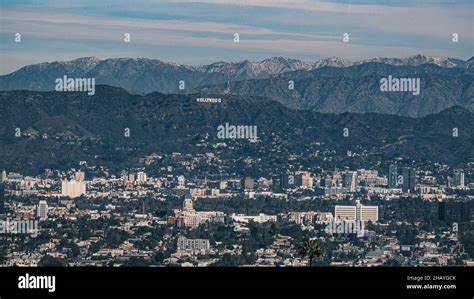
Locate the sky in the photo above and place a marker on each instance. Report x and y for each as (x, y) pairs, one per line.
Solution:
(202, 31)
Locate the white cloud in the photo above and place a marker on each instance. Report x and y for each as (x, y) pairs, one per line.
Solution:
(54, 25)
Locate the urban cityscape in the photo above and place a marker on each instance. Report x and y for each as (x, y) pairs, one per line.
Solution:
(88, 216)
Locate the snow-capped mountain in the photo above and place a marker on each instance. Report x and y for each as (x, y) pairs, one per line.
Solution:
(249, 69)
(417, 60)
(142, 75)
(333, 62)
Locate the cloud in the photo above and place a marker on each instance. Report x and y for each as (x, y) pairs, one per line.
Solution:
(73, 26)
(297, 28)
(424, 19)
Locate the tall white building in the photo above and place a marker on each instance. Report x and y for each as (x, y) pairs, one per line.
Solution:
(358, 212)
(42, 209)
(458, 178)
(181, 181)
(73, 188)
(367, 213)
(3, 176)
(345, 212)
(349, 181)
(141, 177)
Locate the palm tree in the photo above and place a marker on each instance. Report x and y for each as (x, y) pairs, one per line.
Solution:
(311, 249)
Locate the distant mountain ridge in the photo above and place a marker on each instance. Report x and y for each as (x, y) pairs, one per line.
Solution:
(417, 60)
(332, 85)
(357, 89)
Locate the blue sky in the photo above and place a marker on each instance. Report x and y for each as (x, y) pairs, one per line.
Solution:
(202, 31)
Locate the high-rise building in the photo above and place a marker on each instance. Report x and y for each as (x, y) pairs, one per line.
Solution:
(141, 177)
(409, 180)
(455, 211)
(2, 199)
(72, 189)
(458, 179)
(349, 181)
(3, 176)
(358, 212)
(392, 176)
(367, 213)
(345, 213)
(42, 209)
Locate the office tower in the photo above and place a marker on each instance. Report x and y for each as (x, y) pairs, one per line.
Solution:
(42, 209)
(358, 212)
(248, 184)
(345, 212)
(79, 176)
(73, 189)
(458, 179)
(141, 177)
(392, 176)
(455, 211)
(367, 213)
(2, 199)
(349, 181)
(409, 180)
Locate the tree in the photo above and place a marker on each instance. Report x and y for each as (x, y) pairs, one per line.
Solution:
(50, 261)
(310, 250)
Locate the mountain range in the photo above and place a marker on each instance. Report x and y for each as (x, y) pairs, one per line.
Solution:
(357, 89)
(59, 129)
(332, 85)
